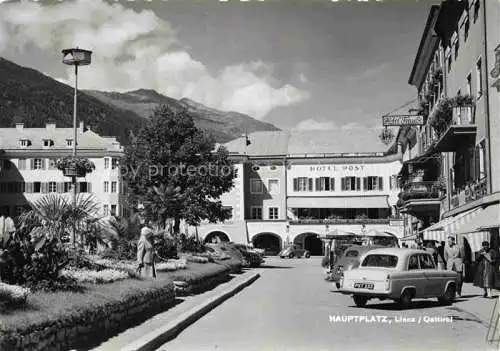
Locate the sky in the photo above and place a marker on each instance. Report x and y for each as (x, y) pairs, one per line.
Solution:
(300, 65)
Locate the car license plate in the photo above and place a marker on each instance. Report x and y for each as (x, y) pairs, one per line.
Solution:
(363, 286)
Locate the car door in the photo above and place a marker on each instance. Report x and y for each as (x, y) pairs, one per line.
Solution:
(415, 275)
(433, 277)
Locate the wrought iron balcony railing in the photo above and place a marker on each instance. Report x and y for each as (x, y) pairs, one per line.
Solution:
(421, 190)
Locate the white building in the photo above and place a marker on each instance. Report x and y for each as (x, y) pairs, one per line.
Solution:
(297, 186)
(28, 171)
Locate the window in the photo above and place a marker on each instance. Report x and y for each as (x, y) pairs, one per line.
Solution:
(373, 183)
(113, 187)
(426, 262)
(482, 157)
(274, 213)
(83, 187)
(352, 253)
(24, 142)
(68, 187)
(413, 263)
(37, 187)
(479, 82)
(52, 163)
(477, 5)
(448, 63)
(69, 142)
(113, 210)
(52, 187)
(325, 184)
(303, 184)
(37, 163)
(389, 261)
(106, 162)
(115, 163)
(105, 210)
(466, 28)
(21, 164)
(256, 212)
(106, 187)
(351, 184)
(273, 186)
(255, 186)
(469, 85)
(48, 143)
(394, 182)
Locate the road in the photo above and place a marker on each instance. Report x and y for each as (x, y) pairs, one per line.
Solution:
(291, 307)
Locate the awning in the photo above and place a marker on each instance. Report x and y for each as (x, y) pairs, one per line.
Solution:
(377, 201)
(476, 239)
(449, 226)
(487, 218)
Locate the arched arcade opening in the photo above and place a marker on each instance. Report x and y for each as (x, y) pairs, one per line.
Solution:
(270, 242)
(310, 242)
(216, 237)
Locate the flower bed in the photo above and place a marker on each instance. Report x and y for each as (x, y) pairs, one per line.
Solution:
(171, 265)
(13, 294)
(95, 277)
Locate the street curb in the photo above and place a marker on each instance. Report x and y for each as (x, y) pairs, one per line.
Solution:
(167, 332)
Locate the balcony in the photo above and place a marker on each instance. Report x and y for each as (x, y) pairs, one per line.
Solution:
(343, 221)
(454, 126)
(469, 193)
(420, 198)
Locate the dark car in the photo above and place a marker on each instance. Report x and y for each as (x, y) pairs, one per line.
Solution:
(294, 251)
(350, 259)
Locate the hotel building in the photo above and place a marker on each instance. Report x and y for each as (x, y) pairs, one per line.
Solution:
(451, 165)
(28, 172)
(294, 187)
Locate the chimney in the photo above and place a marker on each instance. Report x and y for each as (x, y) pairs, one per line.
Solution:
(50, 125)
(19, 126)
(81, 127)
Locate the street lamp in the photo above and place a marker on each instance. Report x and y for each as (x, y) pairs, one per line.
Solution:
(75, 57)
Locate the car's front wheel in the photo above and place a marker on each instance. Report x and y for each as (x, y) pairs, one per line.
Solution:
(290, 255)
(337, 285)
(449, 295)
(307, 255)
(405, 299)
(360, 301)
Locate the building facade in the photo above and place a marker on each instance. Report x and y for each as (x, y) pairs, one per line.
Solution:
(28, 169)
(450, 170)
(294, 187)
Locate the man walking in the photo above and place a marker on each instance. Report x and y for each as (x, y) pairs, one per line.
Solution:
(454, 256)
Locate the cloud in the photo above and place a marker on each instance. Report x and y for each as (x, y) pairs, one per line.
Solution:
(139, 50)
(314, 124)
(370, 72)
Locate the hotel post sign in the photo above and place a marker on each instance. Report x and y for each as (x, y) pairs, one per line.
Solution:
(402, 120)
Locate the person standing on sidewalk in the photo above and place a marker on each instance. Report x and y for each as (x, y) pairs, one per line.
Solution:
(485, 275)
(454, 256)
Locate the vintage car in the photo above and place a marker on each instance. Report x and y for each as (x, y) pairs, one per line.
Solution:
(350, 259)
(400, 275)
(294, 251)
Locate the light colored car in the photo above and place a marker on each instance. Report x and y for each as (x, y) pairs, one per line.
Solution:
(294, 251)
(350, 260)
(400, 275)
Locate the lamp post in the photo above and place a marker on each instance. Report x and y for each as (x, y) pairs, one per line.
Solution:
(75, 57)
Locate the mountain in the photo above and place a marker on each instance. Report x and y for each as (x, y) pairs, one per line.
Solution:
(224, 126)
(30, 97)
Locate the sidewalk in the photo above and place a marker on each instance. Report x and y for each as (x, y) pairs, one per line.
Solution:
(473, 302)
(139, 337)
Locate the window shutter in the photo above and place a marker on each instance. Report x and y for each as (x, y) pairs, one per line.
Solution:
(477, 168)
(32, 163)
(342, 183)
(60, 187)
(295, 184)
(358, 183)
(29, 187)
(332, 184)
(89, 187)
(310, 181)
(380, 183)
(43, 163)
(318, 184)
(43, 187)
(365, 183)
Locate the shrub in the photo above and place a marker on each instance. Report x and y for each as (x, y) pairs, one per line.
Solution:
(190, 244)
(121, 249)
(165, 247)
(13, 294)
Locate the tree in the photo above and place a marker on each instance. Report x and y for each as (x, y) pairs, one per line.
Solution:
(172, 169)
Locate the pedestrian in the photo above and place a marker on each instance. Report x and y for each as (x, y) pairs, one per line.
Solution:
(146, 253)
(454, 255)
(487, 265)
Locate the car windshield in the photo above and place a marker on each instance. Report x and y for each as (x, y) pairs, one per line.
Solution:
(374, 260)
(352, 253)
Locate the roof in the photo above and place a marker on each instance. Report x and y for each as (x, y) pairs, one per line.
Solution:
(286, 143)
(10, 138)
(396, 251)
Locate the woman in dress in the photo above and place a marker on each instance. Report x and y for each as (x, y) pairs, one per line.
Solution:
(486, 268)
(146, 252)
